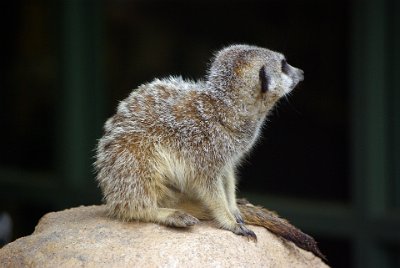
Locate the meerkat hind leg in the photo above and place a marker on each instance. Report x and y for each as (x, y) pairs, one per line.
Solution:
(177, 218)
(169, 217)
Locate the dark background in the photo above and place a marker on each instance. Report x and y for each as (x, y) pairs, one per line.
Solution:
(66, 64)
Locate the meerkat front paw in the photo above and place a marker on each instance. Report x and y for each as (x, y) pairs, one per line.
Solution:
(241, 229)
(238, 217)
(181, 219)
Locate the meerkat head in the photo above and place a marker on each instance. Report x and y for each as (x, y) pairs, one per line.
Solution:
(253, 74)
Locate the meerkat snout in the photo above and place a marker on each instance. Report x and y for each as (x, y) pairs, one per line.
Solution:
(296, 75)
(287, 79)
(299, 74)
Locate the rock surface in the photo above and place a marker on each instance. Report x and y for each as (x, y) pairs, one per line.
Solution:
(85, 237)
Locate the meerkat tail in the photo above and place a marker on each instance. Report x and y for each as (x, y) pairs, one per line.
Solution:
(256, 215)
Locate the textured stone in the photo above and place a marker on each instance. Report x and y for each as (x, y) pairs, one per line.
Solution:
(86, 237)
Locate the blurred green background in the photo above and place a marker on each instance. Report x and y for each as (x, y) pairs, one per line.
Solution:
(329, 156)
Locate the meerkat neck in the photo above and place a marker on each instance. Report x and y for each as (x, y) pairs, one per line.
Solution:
(234, 117)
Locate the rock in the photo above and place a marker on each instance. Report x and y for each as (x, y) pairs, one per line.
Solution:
(86, 237)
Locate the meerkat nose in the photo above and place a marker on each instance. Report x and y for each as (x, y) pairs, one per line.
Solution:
(301, 74)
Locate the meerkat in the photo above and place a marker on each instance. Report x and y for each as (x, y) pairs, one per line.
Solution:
(170, 153)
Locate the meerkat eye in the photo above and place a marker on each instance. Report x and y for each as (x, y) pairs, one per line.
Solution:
(264, 79)
(284, 66)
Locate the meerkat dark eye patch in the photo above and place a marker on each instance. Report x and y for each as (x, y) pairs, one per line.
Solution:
(264, 79)
(284, 66)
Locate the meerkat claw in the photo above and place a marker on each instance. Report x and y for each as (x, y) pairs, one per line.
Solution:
(251, 235)
(244, 231)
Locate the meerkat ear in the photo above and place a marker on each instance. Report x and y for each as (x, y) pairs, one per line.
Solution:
(264, 80)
